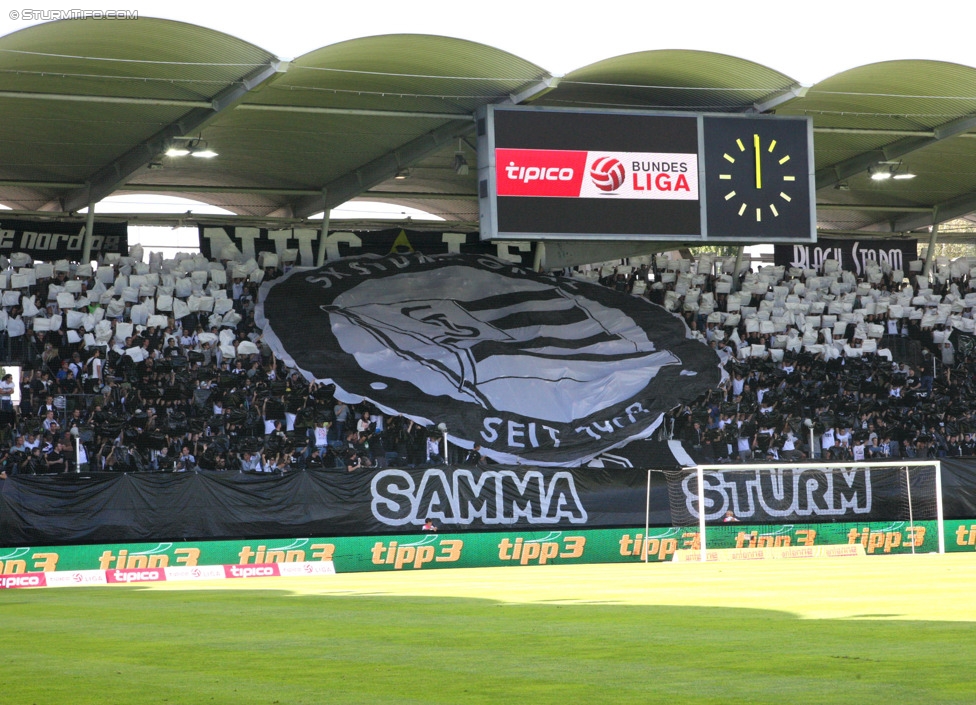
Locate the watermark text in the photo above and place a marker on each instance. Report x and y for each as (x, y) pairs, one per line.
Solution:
(31, 15)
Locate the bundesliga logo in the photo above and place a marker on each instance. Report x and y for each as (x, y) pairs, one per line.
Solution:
(531, 367)
(607, 174)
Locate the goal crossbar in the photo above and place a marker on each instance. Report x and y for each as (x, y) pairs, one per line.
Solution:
(700, 471)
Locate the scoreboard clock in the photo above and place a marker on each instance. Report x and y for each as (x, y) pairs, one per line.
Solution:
(758, 178)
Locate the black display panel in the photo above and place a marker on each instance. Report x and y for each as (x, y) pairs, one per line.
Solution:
(609, 132)
(624, 175)
(617, 174)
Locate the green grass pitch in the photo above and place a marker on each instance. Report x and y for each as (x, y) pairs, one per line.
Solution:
(897, 629)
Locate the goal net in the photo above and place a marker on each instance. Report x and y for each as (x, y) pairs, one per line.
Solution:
(886, 506)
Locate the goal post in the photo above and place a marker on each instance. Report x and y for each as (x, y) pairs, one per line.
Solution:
(900, 493)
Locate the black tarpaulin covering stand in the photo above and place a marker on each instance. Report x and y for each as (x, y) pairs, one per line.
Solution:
(127, 508)
(124, 508)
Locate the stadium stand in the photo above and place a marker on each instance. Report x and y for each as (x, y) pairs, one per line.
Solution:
(160, 367)
(857, 368)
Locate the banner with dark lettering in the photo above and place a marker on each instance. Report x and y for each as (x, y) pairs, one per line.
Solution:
(535, 369)
(219, 242)
(132, 507)
(49, 242)
(853, 255)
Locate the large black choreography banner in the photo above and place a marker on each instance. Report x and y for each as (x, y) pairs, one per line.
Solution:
(536, 369)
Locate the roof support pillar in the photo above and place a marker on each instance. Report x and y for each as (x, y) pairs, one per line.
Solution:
(539, 262)
(738, 262)
(89, 234)
(320, 256)
(930, 254)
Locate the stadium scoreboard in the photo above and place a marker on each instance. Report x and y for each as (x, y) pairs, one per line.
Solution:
(546, 173)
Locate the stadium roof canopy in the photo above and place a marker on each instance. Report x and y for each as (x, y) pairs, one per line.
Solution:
(88, 110)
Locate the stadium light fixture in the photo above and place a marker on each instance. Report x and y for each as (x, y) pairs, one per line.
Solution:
(883, 171)
(193, 147)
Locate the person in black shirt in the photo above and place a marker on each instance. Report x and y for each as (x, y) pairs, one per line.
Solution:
(56, 462)
(35, 464)
(695, 436)
(47, 406)
(969, 445)
(912, 383)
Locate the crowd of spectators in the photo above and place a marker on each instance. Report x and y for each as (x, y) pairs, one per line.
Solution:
(821, 363)
(161, 367)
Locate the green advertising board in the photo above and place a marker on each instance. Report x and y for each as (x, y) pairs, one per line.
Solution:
(470, 550)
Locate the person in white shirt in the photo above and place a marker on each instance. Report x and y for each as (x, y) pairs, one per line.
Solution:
(744, 446)
(827, 440)
(185, 461)
(948, 353)
(251, 462)
(434, 456)
(75, 365)
(738, 384)
(7, 389)
(95, 365)
(789, 450)
(50, 423)
(843, 436)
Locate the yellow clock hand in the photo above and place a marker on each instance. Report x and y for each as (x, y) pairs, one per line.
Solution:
(755, 142)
